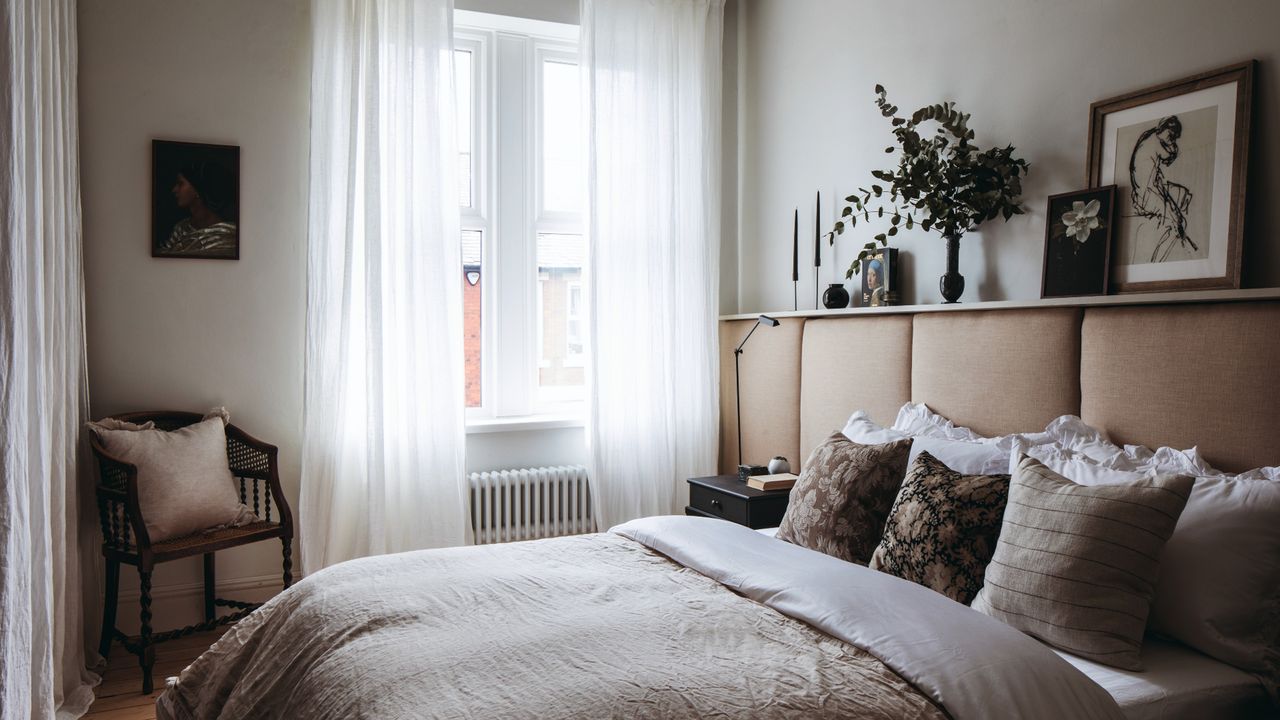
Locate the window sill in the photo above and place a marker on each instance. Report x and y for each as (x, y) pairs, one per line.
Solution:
(546, 421)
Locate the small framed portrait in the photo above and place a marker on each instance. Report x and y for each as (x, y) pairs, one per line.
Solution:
(880, 278)
(1077, 243)
(1177, 154)
(195, 200)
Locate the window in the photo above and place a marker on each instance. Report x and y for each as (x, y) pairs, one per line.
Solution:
(522, 172)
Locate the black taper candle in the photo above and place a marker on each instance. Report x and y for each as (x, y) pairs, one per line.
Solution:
(795, 260)
(795, 248)
(817, 232)
(817, 247)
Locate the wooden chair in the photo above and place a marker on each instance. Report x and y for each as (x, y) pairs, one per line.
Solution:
(253, 464)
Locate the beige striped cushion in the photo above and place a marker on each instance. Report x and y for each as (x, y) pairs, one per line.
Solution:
(1076, 566)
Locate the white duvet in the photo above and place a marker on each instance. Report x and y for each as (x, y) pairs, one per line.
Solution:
(662, 617)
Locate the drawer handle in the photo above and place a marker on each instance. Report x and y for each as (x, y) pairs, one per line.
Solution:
(715, 503)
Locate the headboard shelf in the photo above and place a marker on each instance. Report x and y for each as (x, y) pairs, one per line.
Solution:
(1165, 298)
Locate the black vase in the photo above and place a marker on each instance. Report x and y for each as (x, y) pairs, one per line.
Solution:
(835, 297)
(952, 282)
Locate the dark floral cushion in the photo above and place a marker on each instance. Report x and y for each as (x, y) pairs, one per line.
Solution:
(943, 528)
(839, 504)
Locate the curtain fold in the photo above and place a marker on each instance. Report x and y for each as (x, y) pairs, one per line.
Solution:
(653, 73)
(43, 385)
(384, 429)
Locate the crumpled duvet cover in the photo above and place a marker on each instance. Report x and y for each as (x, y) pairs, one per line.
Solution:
(665, 617)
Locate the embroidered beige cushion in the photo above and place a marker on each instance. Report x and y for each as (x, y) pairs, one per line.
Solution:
(1076, 565)
(184, 482)
(942, 529)
(839, 504)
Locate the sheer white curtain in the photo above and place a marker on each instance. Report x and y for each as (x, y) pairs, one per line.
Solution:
(43, 392)
(652, 74)
(384, 432)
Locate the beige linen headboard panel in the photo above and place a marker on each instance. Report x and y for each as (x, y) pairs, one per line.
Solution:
(998, 371)
(1184, 375)
(851, 364)
(770, 366)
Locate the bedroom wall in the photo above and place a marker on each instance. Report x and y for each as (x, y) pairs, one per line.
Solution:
(191, 334)
(1027, 71)
(196, 333)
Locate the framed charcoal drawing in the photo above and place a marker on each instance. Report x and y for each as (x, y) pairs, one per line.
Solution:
(1178, 155)
(1077, 243)
(880, 278)
(195, 200)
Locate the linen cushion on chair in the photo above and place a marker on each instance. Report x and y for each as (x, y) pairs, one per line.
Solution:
(184, 482)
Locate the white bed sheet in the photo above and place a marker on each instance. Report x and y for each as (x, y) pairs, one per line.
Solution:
(1179, 683)
(971, 664)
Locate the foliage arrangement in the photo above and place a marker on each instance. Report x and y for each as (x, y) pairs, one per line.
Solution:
(943, 182)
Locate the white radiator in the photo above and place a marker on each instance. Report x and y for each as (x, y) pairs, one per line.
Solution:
(530, 503)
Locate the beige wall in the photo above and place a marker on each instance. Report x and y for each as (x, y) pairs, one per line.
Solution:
(1027, 70)
(191, 334)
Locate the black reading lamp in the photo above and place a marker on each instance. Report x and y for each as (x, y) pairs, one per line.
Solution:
(746, 470)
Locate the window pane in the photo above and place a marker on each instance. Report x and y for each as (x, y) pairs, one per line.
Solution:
(562, 142)
(462, 84)
(472, 319)
(561, 322)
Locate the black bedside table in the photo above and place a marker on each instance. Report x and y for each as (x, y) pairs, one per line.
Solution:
(727, 497)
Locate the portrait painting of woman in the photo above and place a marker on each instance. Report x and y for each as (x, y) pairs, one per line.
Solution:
(880, 278)
(195, 200)
(1169, 173)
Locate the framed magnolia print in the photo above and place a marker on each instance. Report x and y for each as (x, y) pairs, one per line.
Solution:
(195, 200)
(1178, 155)
(1077, 243)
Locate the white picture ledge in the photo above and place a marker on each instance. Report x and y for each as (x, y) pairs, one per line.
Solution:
(1166, 298)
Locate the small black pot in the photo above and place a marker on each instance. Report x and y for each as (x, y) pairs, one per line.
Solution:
(951, 284)
(835, 297)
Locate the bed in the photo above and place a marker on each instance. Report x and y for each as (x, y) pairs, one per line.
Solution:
(695, 617)
(1172, 371)
(662, 617)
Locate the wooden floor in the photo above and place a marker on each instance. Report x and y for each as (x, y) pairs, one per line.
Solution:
(120, 697)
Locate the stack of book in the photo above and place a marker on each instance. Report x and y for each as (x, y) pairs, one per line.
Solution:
(781, 481)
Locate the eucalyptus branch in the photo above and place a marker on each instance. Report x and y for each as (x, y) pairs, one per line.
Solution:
(942, 181)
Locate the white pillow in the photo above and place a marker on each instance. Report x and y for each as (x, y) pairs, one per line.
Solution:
(1219, 584)
(1073, 465)
(917, 420)
(184, 481)
(1067, 431)
(1075, 434)
(967, 458)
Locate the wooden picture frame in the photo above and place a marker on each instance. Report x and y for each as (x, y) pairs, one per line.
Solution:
(1077, 243)
(195, 200)
(1185, 146)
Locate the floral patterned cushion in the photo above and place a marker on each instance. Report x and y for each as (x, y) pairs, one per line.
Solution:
(839, 503)
(943, 528)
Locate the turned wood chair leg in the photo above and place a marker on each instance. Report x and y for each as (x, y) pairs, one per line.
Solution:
(147, 654)
(288, 561)
(209, 609)
(109, 608)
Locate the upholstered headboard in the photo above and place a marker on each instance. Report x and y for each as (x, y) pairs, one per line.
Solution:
(1204, 374)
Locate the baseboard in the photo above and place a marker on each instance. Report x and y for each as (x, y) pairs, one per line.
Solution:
(165, 592)
(182, 604)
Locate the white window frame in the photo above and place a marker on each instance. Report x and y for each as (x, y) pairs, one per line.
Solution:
(507, 172)
(573, 359)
